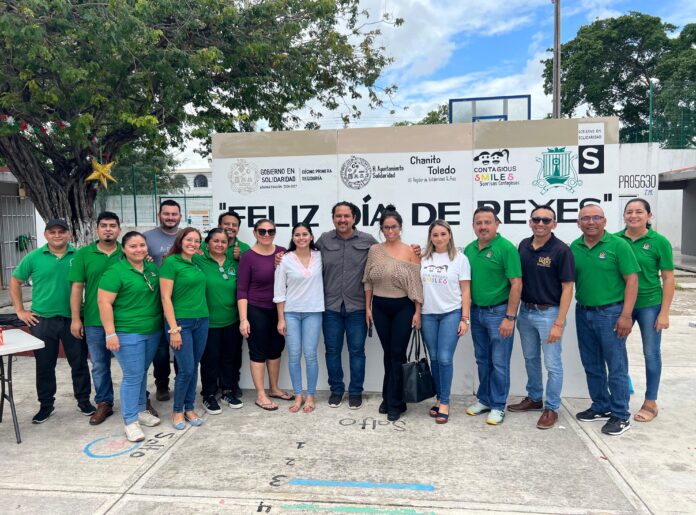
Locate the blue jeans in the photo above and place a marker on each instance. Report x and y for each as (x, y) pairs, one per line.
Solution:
(101, 364)
(534, 326)
(493, 354)
(353, 325)
(646, 318)
(135, 354)
(194, 334)
(303, 338)
(440, 335)
(601, 351)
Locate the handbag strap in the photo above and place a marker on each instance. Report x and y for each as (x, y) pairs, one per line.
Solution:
(416, 342)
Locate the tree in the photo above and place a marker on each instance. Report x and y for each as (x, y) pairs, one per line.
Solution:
(609, 65)
(151, 172)
(434, 117)
(82, 80)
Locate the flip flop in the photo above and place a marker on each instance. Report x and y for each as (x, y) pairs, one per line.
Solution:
(268, 407)
(295, 408)
(285, 397)
(442, 418)
(308, 408)
(647, 414)
(434, 411)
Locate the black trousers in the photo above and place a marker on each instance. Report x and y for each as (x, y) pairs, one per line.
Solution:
(264, 340)
(392, 319)
(52, 331)
(222, 360)
(161, 363)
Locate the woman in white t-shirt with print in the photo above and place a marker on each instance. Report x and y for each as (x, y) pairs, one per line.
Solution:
(446, 278)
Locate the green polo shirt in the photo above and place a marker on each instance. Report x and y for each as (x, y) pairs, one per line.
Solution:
(243, 247)
(50, 295)
(137, 307)
(600, 270)
(188, 295)
(220, 293)
(492, 267)
(654, 253)
(88, 266)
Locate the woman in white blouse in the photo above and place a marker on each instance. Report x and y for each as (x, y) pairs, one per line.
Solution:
(446, 278)
(299, 297)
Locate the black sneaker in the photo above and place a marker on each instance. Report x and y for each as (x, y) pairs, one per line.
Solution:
(237, 392)
(211, 405)
(86, 408)
(43, 414)
(335, 400)
(354, 401)
(231, 400)
(383, 408)
(590, 415)
(616, 426)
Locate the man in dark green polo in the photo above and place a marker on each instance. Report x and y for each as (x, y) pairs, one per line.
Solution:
(606, 286)
(496, 286)
(49, 318)
(86, 271)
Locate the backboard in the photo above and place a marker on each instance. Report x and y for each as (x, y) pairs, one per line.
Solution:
(490, 109)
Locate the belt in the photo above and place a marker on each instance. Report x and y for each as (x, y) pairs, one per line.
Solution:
(490, 307)
(597, 308)
(540, 307)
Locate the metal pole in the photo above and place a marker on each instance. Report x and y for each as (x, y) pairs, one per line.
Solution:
(135, 201)
(557, 59)
(650, 123)
(154, 199)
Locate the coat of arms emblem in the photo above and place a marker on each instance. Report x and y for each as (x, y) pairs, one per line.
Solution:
(557, 170)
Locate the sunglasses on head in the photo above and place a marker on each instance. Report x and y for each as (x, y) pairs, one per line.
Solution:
(541, 219)
(263, 232)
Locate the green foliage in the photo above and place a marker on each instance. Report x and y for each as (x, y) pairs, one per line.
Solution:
(434, 117)
(150, 172)
(160, 71)
(609, 64)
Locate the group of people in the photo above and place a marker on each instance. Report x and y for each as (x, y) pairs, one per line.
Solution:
(171, 289)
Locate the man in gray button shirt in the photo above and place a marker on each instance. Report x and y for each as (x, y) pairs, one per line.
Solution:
(344, 253)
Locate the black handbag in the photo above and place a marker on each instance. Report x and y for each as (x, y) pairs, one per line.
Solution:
(418, 382)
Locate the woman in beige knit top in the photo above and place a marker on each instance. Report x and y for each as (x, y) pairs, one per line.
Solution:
(393, 298)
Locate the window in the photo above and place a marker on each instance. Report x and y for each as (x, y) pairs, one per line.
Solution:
(200, 181)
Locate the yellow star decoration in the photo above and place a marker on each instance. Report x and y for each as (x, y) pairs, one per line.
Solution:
(101, 173)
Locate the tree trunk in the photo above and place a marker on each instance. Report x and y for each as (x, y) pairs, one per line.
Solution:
(57, 190)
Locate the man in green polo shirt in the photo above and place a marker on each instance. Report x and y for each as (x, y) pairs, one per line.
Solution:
(496, 287)
(49, 318)
(606, 286)
(86, 271)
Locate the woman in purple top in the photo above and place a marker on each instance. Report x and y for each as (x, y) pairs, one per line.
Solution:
(258, 317)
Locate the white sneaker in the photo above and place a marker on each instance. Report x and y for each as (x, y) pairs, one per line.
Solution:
(495, 417)
(134, 433)
(148, 419)
(477, 409)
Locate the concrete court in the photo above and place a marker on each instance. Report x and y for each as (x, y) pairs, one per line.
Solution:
(250, 461)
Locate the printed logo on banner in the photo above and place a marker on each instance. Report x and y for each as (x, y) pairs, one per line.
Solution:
(244, 176)
(356, 172)
(591, 159)
(493, 168)
(556, 170)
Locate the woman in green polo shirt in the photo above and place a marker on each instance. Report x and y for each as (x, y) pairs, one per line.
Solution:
(654, 254)
(222, 358)
(182, 287)
(131, 313)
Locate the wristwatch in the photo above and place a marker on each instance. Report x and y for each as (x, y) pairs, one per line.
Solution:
(511, 318)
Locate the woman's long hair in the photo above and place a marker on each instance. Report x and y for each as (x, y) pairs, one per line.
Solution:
(292, 245)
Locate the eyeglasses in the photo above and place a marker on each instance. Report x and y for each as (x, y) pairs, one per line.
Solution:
(387, 228)
(593, 218)
(263, 232)
(149, 284)
(540, 219)
(224, 274)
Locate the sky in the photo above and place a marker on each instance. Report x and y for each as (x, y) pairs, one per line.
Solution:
(472, 48)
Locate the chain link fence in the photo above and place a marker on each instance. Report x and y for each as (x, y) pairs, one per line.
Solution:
(677, 133)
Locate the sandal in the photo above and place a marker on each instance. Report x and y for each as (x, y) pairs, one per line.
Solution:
(269, 406)
(442, 418)
(294, 408)
(285, 396)
(308, 407)
(645, 414)
(434, 411)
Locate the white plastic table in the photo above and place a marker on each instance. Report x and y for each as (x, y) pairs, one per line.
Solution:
(16, 341)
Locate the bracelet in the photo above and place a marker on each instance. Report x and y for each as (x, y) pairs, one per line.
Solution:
(175, 330)
(626, 316)
(110, 336)
(559, 324)
(465, 321)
